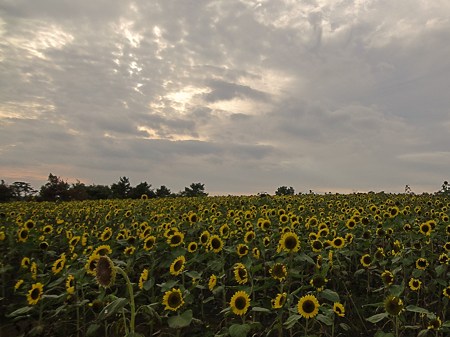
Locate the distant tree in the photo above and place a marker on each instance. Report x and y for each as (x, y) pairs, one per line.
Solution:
(55, 189)
(6, 192)
(284, 190)
(22, 190)
(121, 189)
(163, 192)
(141, 189)
(445, 188)
(97, 192)
(78, 191)
(194, 190)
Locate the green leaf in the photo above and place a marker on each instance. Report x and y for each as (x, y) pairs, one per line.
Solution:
(134, 334)
(91, 331)
(20, 311)
(180, 321)
(413, 308)
(194, 274)
(330, 295)
(324, 319)
(383, 334)
(440, 269)
(149, 283)
(259, 309)
(239, 330)
(397, 290)
(167, 285)
(377, 318)
(304, 258)
(290, 322)
(344, 326)
(423, 333)
(112, 308)
(56, 282)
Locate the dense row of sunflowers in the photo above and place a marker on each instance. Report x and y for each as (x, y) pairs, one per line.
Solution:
(310, 265)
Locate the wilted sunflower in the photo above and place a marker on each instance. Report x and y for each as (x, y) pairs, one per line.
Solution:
(393, 305)
(339, 309)
(278, 271)
(177, 265)
(434, 323)
(173, 299)
(289, 242)
(240, 302)
(143, 278)
(422, 263)
(212, 282)
(308, 306)
(241, 250)
(414, 284)
(366, 260)
(279, 301)
(70, 284)
(149, 242)
(35, 293)
(59, 264)
(105, 272)
(215, 243)
(240, 273)
(387, 277)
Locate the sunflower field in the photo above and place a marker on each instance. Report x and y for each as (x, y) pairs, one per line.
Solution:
(363, 264)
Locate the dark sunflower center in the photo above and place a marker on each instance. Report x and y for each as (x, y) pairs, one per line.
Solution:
(175, 239)
(366, 259)
(243, 250)
(242, 273)
(317, 244)
(338, 242)
(215, 243)
(35, 294)
(240, 303)
(24, 234)
(149, 243)
(178, 265)
(308, 306)
(278, 270)
(174, 300)
(290, 242)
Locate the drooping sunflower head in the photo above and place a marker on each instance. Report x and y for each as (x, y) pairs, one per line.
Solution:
(240, 273)
(173, 299)
(177, 265)
(239, 303)
(339, 309)
(279, 301)
(308, 306)
(105, 272)
(393, 305)
(434, 323)
(143, 278)
(278, 271)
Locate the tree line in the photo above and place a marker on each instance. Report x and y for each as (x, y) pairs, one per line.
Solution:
(58, 189)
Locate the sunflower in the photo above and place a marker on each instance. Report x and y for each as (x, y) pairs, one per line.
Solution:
(240, 273)
(318, 282)
(279, 301)
(366, 260)
(242, 250)
(249, 236)
(446, 292)
(256, 253)
(149, 242)
(393, 305)
(34, 270)
(224, 231)
(240, 302)
(18, 284)
(177, 265)
(447, 246)
(173, 299)
(350, 224)
(105, 272)
(129, 250)
(266, 241)
(29, 224)
(193, 218)
(48, 229)
(414, 284)
(339, 309)
(434, 323)
(212, 282)
(278, 271)
(35, 293)
(289, 242)
(25, 263)
(143, 278)
(316, 245)
(192, 247)
(338, 242)
(308, 306)
(215, 243)
(59, 264)
(102, 250)
(22, 235)
(425, 229)
(91, 264)
(422, 263)
(175, 239)
(106, 234)
(70, 284)
(387, 277)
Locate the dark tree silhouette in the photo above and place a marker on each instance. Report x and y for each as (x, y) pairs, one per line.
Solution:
(284, 190)
(121, 189)
(55, 189)
(194, 190)
(163, 192)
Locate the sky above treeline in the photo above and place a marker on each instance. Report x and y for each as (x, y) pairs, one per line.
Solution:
(243, 96)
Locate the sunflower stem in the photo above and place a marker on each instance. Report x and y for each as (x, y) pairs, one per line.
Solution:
(130, 293)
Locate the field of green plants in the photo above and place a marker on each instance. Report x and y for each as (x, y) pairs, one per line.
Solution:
(371, 264)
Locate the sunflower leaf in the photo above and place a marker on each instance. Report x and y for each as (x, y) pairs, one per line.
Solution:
(324, 319)
(239, 330)
(290, 322)
(180, 321)
(414, 308)
(20, 311)
(377, 318)
(112, 308)
(259, 309)
(330, 295)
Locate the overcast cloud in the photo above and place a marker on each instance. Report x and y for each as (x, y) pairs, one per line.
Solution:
(243, 96)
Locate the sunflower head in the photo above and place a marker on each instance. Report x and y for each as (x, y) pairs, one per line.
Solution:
(308, 306)
(173, 299)
(105, 272)
(212, 282)
(177, 265)
(387, 277)
(339, 309)
(278, 271)
(239, 303)
(393, 305)
(366, 260)
(289, 242)
(279, 301)
(35, 293)
(414, 284)
(240, 273)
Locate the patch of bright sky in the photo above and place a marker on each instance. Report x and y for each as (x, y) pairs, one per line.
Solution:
(24, 110)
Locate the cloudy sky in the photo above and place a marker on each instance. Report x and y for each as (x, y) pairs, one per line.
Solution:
(241, 95)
